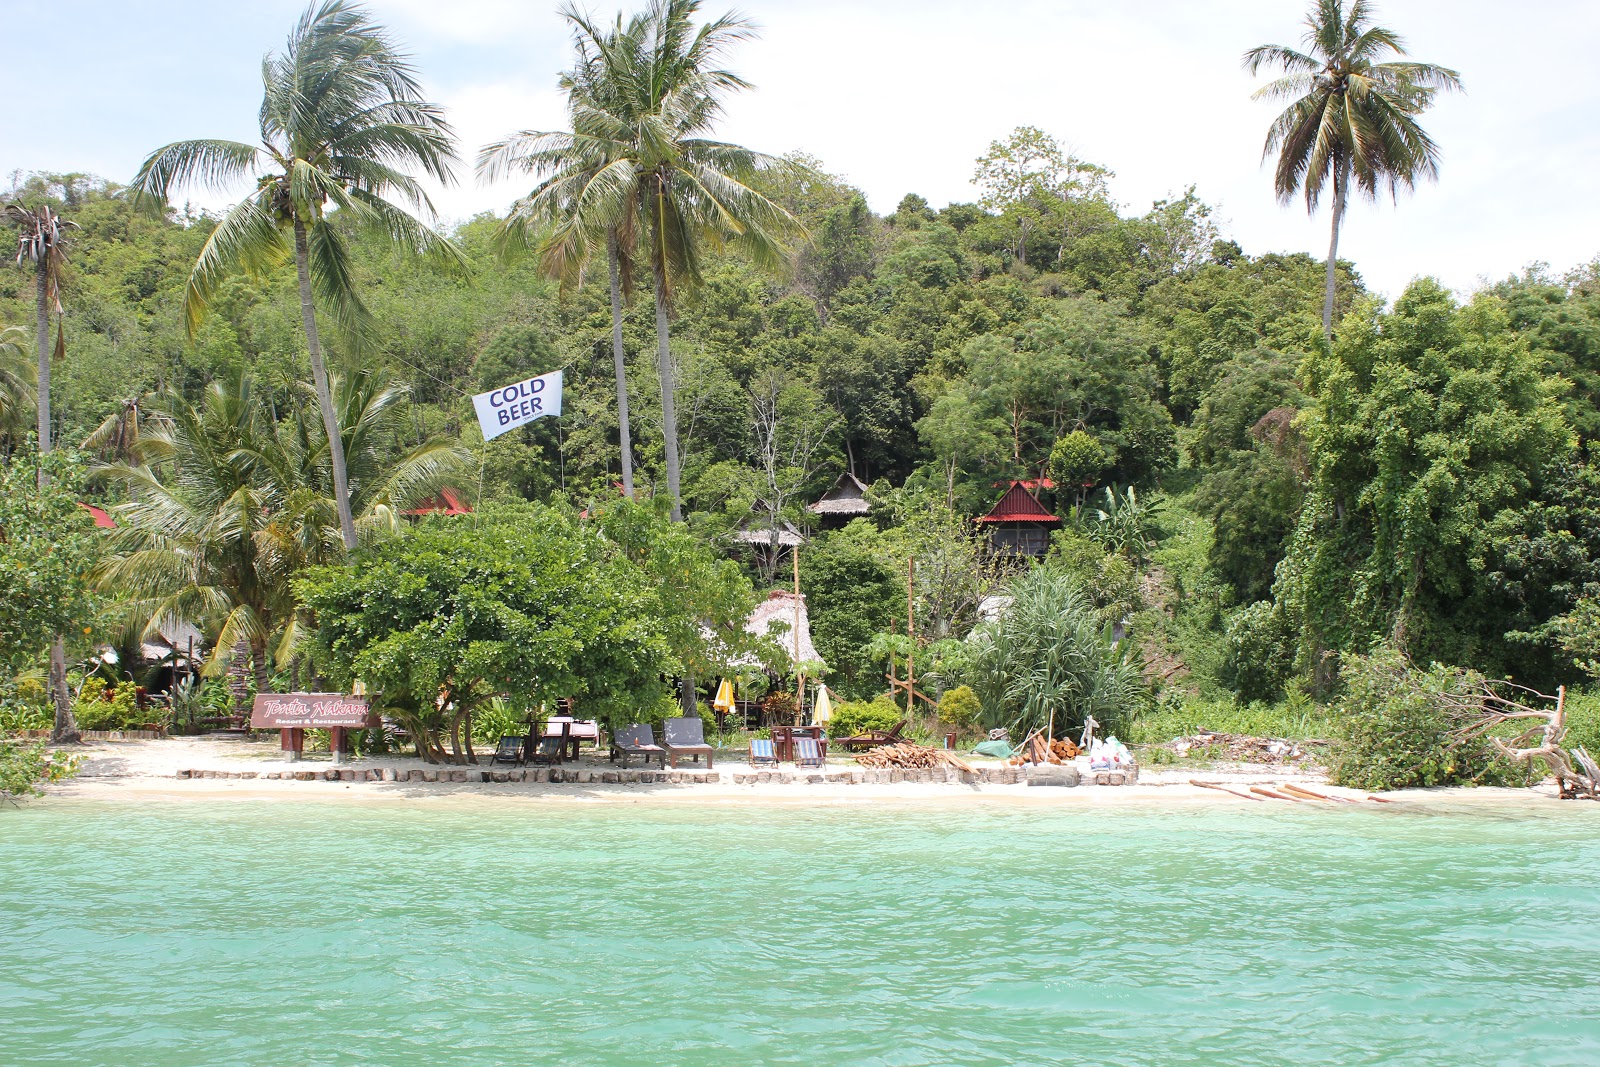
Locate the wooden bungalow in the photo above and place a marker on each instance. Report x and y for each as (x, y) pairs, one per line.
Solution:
(845, 501)
(1019, 525)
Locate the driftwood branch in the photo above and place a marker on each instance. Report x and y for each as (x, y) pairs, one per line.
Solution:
(1495, 708)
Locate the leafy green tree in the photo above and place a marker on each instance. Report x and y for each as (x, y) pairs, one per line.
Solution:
(1078, 460)
(48, 551)
(850, 597)
(341, 113)
(1430, 431)
(525, 604)
(1350, 117)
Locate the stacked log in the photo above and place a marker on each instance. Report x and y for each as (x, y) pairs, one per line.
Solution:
(906, 754)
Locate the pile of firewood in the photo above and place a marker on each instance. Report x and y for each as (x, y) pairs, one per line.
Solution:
(1035, 750)
(906, 754)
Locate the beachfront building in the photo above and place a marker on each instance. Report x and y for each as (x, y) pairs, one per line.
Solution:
(1018, 524)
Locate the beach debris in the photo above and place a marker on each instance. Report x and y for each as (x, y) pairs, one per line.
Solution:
(1000, 733)
(1495, 704)
(1222, 788)
(1311, 794)
(907, 754)
(1273, 793)
(1243, 748)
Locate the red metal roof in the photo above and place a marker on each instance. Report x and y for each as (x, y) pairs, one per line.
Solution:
(1018, 505)
(102, 518)
(446, 502)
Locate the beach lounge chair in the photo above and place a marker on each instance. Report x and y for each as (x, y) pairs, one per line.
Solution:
(637, 740)
(761, 752)
(807, 753)
(687, 737)
(548, 748)
(510, 750)
(874, 738)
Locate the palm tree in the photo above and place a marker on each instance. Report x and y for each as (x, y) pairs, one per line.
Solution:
(1350, 116)
(227, 507)
(560, 216)
(42, 241)
(646, 98)
(342, 113)
(16, 389)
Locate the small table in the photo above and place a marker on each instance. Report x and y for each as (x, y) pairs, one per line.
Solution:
(783, 739)
(578, 730)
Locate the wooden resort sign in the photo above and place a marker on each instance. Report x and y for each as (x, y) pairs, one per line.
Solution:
(310, 711)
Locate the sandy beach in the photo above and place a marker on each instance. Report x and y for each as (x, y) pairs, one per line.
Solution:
(162, 769)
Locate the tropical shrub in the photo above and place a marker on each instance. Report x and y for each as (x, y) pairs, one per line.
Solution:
(858, 717)
(1048, 660)
(1258, 652)
(24, 767)
(960, 708)
(103, 707)
(1402, 730)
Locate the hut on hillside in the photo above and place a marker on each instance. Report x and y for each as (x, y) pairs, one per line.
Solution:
(845, 501)
(1019, 525)
(785, 607)
(760, 538)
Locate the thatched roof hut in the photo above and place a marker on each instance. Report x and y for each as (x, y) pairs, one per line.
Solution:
(845, 501)
(781, 606)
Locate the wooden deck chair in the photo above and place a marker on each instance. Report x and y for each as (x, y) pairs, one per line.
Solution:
(686, 736)
(807, 753)
(510, 750)
(761, 751)
(874, 738)
(548, 749)
(637, 740)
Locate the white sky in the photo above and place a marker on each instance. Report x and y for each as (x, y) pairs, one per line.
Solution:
(901, 96)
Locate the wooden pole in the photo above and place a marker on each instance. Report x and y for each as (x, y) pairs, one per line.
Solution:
(911, 634)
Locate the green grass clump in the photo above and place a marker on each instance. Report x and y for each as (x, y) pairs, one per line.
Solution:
(1295, 719)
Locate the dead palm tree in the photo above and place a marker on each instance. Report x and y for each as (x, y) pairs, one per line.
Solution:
(342, 113)
(1350, 116)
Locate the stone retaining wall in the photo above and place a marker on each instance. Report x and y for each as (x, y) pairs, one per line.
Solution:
(585, 776)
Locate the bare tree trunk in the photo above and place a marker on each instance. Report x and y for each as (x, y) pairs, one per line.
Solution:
(1341, 184)
(319, 375)
(64, 731)
(619, 361)
(669, 403)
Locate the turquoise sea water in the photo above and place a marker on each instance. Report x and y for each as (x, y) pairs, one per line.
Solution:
(471, 931)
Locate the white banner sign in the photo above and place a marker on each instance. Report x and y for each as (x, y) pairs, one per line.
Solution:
(516, 405)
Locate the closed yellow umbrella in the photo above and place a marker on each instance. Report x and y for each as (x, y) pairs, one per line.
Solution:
(724, 701)
(823, 710)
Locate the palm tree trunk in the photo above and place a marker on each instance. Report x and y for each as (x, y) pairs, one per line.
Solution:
(1340, 184)
(669, 404)
(319, 375)
(620, 363)
(41, 315)
(64, 730)
(258, 661)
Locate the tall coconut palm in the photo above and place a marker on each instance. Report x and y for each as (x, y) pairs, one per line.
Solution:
(42, 245)
(341, 115)
(560, 217)
(641, 114)
(1350, 117)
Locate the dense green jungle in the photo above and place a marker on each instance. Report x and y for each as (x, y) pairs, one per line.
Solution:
(1242, 507)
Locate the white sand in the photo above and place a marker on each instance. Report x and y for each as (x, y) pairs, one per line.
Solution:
(148, 769)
